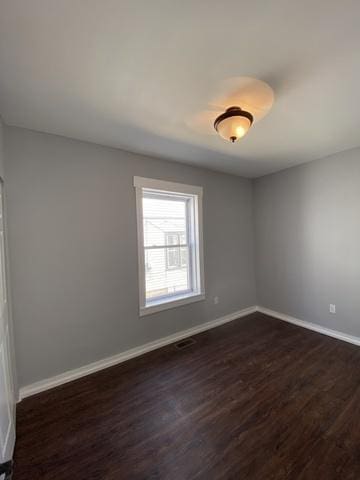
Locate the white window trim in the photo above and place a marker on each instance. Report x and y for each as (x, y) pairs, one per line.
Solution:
(169, 187)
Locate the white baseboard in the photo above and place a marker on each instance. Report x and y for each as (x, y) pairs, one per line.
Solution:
(311, 326)
(70, 375)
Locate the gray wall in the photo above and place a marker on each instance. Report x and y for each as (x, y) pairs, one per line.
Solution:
(307, 241)
(72, 230)
(1, 148)
(7, 263)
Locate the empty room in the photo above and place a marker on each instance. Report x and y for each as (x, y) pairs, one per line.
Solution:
(179, 240)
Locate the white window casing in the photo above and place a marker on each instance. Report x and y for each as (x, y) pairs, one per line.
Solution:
(170, 244)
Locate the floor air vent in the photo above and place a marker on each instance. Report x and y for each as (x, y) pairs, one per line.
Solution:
(185, 343)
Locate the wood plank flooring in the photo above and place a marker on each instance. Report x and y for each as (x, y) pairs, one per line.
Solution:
(254, 399)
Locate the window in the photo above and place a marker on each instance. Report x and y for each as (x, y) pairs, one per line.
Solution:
(170, 244)
(176, 257)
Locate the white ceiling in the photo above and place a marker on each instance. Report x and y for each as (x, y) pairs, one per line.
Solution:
(131, 73)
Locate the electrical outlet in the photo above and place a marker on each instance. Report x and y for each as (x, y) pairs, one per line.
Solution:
(216, 300)
(332, 308)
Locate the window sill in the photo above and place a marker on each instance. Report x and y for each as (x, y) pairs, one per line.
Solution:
(155, 307)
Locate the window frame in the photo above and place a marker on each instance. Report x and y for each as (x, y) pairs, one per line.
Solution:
(195, 244)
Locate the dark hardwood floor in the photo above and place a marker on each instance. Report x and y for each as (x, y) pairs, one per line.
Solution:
(254, 399)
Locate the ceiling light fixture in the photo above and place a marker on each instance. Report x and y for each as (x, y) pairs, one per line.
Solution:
(233, 124)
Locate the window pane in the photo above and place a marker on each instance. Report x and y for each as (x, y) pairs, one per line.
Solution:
(166, 271)
(183, 256)
(164, 220)
(173, 258)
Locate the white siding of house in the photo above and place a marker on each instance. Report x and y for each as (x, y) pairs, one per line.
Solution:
(159, 279)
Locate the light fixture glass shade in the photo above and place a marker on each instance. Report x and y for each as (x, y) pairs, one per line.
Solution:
(233, 124)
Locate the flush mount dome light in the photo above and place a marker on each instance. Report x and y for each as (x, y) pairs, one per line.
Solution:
(233, 124)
